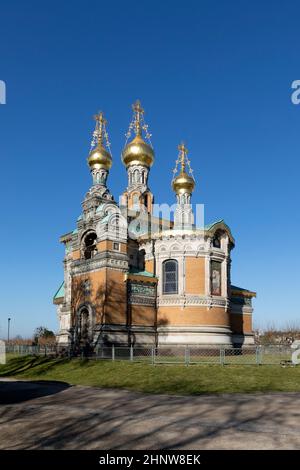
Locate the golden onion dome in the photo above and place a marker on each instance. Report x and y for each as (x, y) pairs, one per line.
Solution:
(137, 152)
(99, 158)
(183, 183)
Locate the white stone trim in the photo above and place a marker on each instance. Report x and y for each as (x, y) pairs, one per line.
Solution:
(190, 300)
(191, 335)
(96, 264)
(207, 274)
(224, 278)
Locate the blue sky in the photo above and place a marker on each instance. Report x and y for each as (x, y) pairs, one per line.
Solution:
(216, 74)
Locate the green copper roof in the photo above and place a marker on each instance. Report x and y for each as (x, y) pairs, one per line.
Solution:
(61, 291)
(75, 231)
(240, 289)
(140, 273)
(209, 226)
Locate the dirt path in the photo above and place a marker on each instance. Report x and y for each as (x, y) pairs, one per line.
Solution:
(52, 415)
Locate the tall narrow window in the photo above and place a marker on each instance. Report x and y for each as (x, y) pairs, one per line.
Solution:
(170, 277)
(84, 325)
(216, 285)
(217, 239)
(216, 242)
(135, 202)
(136, 176)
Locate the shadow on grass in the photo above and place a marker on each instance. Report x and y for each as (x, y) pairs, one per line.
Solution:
(36, 365)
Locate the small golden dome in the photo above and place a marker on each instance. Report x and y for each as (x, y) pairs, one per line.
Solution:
(137, 152)
(183, 183)
(99, 158)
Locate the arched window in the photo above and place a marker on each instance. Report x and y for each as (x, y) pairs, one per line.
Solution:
(170, 277)
(90, 245)
(217, 240)
(86, 287)
(84, 324)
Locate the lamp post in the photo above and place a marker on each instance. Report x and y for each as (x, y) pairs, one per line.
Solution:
(8, 327)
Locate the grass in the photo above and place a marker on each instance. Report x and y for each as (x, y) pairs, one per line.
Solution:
(172, 379)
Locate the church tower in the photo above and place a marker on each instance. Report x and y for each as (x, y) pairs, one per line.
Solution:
(99, 159)
(95, 260)
(100, 162)
(138, 157)
(183, 184)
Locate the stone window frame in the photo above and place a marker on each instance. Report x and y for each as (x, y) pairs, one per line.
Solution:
(164, 292)
(224, 273)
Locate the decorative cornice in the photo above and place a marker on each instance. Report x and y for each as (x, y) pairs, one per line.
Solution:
(141, 300)
(83, 266)
(191, 301)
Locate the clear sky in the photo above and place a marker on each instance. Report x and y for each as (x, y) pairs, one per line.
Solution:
(216, 74)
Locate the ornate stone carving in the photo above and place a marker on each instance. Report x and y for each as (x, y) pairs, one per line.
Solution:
(141, 294)
(190, 300)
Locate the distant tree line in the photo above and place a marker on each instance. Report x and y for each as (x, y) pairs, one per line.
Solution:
(42, 336)
(274, 335)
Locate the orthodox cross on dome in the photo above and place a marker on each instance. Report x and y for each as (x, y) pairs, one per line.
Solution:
(182, 155)
(137, 124)
(138, 114)
(183, 161)
(100, 135)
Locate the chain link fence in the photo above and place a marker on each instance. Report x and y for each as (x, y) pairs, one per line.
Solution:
(184, 355)
(25, 349)
(197, 355)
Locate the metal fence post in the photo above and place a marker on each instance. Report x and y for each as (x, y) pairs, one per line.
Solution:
(222, 357)
(131, 353)
(258, 354)
(187, 356)
(113, 352)
(152, 356)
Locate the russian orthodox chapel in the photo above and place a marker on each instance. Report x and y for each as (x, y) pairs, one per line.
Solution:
(132, 277)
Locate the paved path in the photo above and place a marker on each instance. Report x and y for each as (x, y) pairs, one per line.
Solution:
(52, 415)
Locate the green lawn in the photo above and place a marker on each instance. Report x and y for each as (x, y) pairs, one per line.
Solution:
(174, 379)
